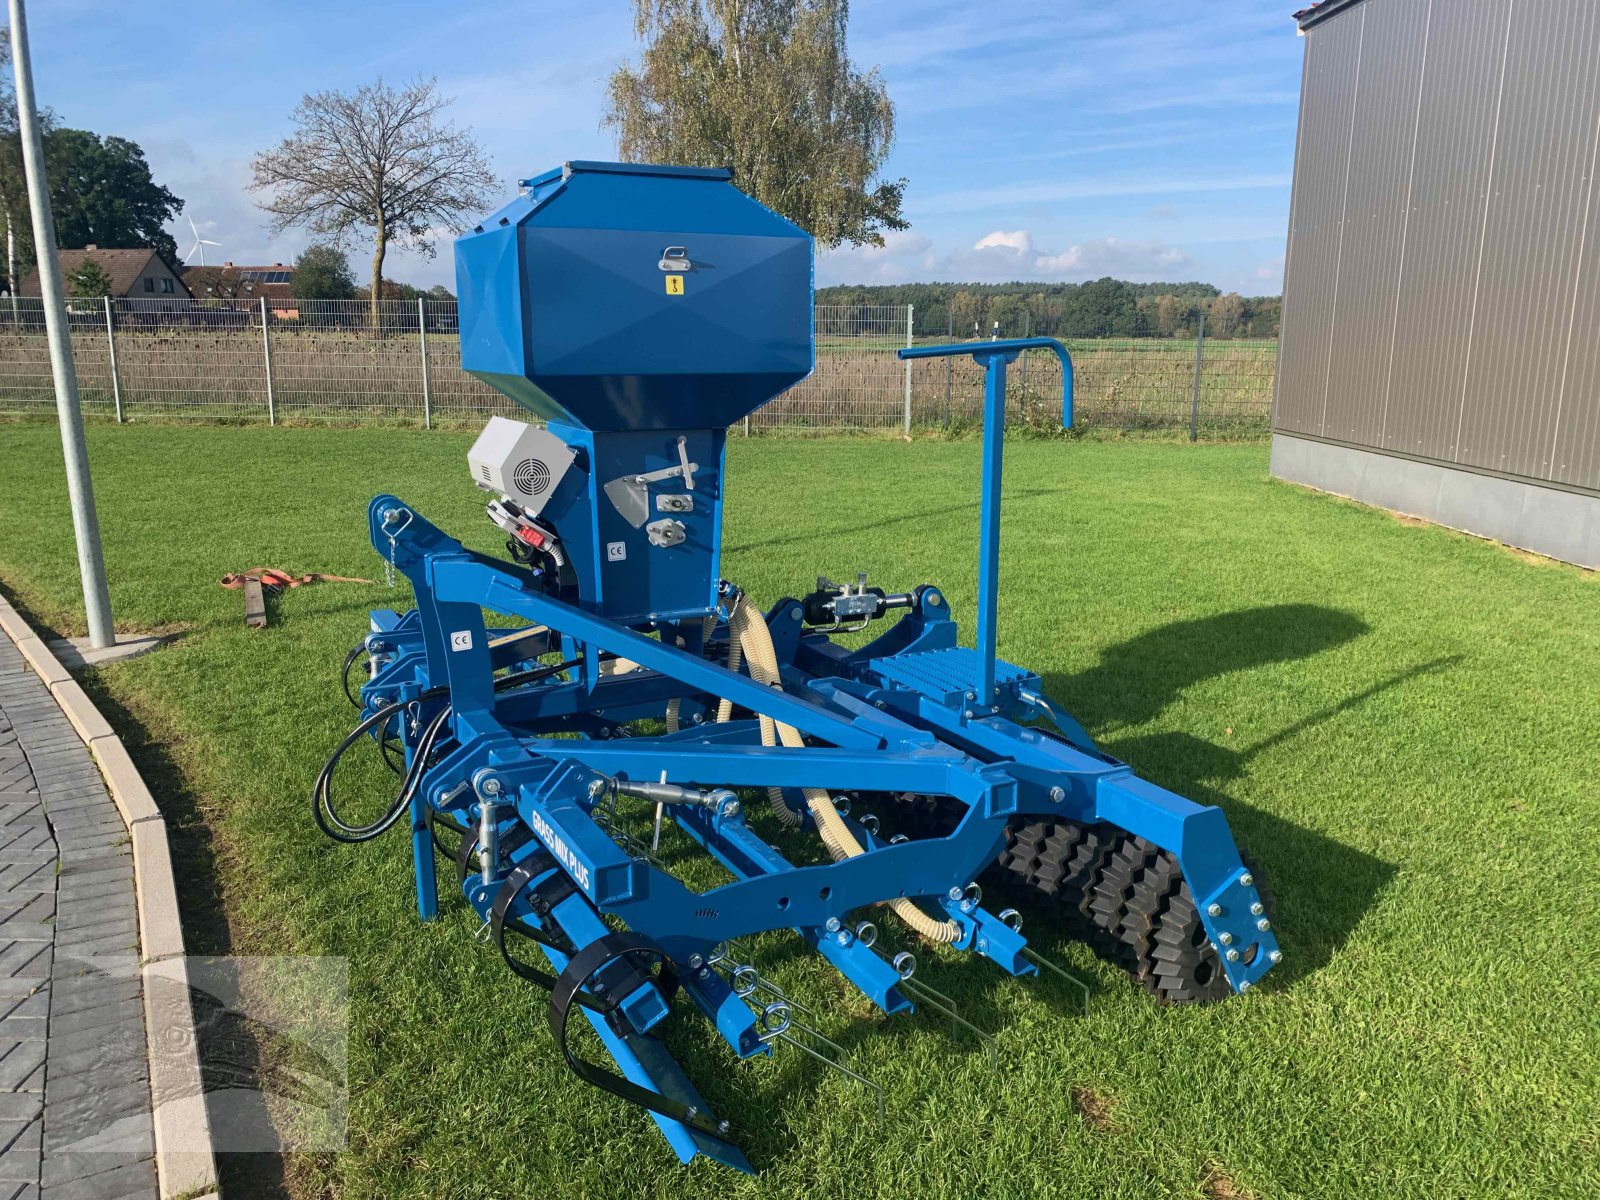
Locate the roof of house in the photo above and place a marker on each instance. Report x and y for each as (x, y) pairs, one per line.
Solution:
(122, 267)
(272, 280)
(1321, 11)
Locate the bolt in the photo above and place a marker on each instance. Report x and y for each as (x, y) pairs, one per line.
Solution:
(696, 961)
(844, 937)
(954, 893)
(1058, 794)
(491, 786)
(1247, 879)
(1263, 924)
(983, 945)
(1226, 939)
(1275, 956)
(1257, 909)
(703, 973)
(1245, 986)
(794, 614)
(1214, 910)
(972, 695)
(967, 714)
(1233, 956)
(597, 788)
(599, 988)
(729, 809)
(691, 1113)
(699, 718)
(934, 600)
(724, 1126)
(833, 924)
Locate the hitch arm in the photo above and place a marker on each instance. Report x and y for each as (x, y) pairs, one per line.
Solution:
(994, 356)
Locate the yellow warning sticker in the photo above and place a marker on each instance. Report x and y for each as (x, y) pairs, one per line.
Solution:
(674, 285)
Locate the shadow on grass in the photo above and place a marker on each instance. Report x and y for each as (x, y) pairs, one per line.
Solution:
(1324, 886)
(810, 533)
(255, 1176)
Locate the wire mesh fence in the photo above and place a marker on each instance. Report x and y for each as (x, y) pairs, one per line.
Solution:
(303, 361)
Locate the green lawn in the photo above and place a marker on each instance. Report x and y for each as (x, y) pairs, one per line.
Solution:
(1400, 722)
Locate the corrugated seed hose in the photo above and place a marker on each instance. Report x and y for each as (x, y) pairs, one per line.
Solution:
(750, 633)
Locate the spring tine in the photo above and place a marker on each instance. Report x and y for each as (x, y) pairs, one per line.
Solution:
(781, 995)
(939, 1002)
(655, 835)
(819, 1035)
(823, 1058)
(1040, 960)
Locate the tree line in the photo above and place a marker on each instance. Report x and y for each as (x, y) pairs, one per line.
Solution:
(1099, 308)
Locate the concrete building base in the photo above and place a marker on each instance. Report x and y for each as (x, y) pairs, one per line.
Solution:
(1559, 524)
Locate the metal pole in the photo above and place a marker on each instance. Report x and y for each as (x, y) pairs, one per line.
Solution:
(422, 338)
(111, 347)
(266, 357)
(80, 488)
(1199, 356)
(949, 363)
(994, 434)
(910, 309)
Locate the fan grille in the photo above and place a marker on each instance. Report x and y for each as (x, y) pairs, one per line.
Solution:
(531, 476)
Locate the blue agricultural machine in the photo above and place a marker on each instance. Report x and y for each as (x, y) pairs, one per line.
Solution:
(638, 311)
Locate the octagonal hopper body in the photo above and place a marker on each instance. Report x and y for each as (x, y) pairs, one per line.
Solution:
(613, 297)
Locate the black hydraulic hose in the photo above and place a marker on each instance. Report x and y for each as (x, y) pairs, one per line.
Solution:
(344, 674)
(322, 809)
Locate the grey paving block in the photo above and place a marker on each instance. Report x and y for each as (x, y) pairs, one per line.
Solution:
(16, 1029)
(74, 915)
(120, 1008)
(20, 1106)
(22, 1067)
(31, 1004)
(70, 937)
(104, 1177)
(67, 999)
(25, 958)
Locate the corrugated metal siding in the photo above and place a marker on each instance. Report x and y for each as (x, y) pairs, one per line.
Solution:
(1443, 279)
(1315, 222)
(1374, 220)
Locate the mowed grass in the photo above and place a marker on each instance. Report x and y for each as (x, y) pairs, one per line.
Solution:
(1400, 723)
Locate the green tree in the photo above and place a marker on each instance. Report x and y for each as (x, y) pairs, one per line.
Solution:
(1226, 314)
(101, 193)
(89, 280)
(322, 273)
(767, 88)
(379, 158)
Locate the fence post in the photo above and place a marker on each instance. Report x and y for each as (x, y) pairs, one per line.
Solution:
(111, 347)
(266, 357)
(949, 364)
(1199, 358)
(422, 340)
(1027, 398)
(910, 310)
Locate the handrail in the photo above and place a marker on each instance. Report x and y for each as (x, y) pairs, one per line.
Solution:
(994, 356)
(1009, 348)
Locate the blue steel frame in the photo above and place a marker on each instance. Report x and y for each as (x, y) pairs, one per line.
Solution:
(895, 715)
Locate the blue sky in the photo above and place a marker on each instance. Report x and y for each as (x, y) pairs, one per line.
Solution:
(1043, 140)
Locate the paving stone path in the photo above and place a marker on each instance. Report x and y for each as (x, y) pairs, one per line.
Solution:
(75, 1121)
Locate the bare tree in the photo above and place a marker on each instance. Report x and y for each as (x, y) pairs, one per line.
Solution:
(379, 159)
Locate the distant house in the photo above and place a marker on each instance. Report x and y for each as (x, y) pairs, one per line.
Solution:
(134, 275)
(232, 281)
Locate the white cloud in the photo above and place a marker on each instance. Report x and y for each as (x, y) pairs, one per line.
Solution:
(1271, 272)
(1019, 240)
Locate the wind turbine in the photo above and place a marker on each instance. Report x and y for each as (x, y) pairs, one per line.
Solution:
(200, 244)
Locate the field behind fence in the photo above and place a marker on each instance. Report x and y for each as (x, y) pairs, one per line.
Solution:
(296, 362)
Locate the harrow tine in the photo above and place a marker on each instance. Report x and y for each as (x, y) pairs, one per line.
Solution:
(841, 1068)
(1040, 960)
(939, 1002)
(775, 1023)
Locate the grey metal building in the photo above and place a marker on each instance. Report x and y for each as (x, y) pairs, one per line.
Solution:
(1440, 350)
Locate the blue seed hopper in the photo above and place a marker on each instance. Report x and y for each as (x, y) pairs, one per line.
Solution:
(630, 689)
